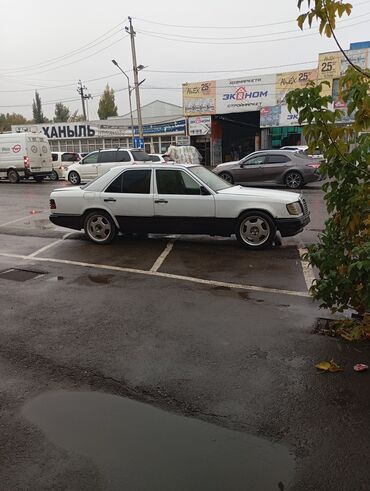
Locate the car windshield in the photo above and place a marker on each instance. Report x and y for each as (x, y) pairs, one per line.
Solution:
(213, 182)
(140, 156)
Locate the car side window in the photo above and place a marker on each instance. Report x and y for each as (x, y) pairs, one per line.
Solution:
(258, 159)
(70, 157)
(136, 181)
(277, 159)
(176, 182)
(116, 185)
(92, 158)
(123, 156)
(107, 156)
(154, 158)
(54, 156)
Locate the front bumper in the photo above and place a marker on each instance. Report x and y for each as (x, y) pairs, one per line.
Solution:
(292, 226)
(68, 221)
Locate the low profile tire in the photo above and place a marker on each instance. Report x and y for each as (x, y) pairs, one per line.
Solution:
(74, 178)
(227, 177)
(99, 227)
(13, 176)
(255, 230)
(38, 179)
(294, 180)
(54, 176)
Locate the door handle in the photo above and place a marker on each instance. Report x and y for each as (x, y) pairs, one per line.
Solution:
(109, 199)
(160, 201)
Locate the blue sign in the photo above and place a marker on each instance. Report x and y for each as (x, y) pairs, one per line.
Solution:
(138, 142)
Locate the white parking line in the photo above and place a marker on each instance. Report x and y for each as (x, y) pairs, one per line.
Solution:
(158, 263)
(14, 221)
(308, 273)
(236, 286)
(45, 248)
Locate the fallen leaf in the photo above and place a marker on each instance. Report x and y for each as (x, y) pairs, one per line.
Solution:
(323, 365)
(328, 366)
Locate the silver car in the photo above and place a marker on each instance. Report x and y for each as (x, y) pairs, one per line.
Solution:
(271, 167)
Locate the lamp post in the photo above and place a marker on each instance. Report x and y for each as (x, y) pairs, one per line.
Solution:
(129, 98)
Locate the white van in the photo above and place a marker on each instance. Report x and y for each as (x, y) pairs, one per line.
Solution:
(24, 155)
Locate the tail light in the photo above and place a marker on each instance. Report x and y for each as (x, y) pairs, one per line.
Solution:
(26, 162)
(314, 165)
(52, 204)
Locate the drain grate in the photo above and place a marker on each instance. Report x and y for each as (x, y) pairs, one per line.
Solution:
(15, 274)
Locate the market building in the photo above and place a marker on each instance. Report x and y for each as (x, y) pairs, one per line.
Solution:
(163, 125)
(232, 117)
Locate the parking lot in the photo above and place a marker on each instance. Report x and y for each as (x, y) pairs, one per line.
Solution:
(192, 325)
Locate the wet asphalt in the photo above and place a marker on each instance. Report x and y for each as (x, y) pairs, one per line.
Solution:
(187, 343)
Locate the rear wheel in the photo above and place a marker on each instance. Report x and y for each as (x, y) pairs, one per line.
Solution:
(13, 176)
(74, 178)
(227, 177)
(54, 176)
(294, 180)
(99, 227)
(38, 178)
(255, 230)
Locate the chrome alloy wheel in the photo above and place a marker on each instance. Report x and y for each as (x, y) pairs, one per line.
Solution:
(254, 230)
(98, 228)
(293, 180)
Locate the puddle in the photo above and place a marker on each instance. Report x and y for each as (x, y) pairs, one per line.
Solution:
(100, 279)
(139, 447)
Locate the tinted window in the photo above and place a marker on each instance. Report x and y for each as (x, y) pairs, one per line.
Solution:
(136, 181)
(92, 158)
(108, 156)
(54, 156)
(176, 182)
(257, 159)
(140, 155)
(115, 186)
(277, 159)
(70, 157)
(154, 158)
(123, 156)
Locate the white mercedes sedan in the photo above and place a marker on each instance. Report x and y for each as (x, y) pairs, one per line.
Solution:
(177, 199)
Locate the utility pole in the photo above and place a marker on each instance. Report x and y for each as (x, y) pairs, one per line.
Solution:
(81, 90)
(136, 77)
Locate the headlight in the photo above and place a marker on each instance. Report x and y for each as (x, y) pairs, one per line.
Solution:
(294, 208)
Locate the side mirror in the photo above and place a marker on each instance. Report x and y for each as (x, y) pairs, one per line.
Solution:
(204, 191)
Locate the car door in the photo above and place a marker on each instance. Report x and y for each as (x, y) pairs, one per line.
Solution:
(88, 167)
(182, 204)
(274, 167)
(106, 161)
(250, 170)
(130, 198)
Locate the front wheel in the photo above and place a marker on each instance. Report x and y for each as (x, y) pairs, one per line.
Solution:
(227, 177)
(99, 227)
(54, 176)
(294, 180)
(74, 178)
(13, 176)
(255, 230)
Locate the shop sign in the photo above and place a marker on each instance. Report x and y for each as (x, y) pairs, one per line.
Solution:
(199, 98)
(277, 116)
(200, 125)
(245, 94)
(285, 82)
(182, 140)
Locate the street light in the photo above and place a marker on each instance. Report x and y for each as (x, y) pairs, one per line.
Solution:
(129, 98)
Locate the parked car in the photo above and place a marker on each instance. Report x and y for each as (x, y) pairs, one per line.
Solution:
(159, 157)
(180, 199)
(303, 149)
(101, 161)
(61, 162)
(271, 167)
(25, 155)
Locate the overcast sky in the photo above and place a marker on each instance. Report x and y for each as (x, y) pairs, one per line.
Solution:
(46, 44)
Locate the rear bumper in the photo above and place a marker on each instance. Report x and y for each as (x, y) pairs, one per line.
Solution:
(68, 221)
(291, 226)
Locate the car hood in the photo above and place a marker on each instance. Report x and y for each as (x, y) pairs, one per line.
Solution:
(226, 165)
(273, 194)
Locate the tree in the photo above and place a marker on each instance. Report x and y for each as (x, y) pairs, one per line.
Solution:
(107, 106)
(6, 121)
(342, 254)
(75, 117)
(38, 115)
(62, 113)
